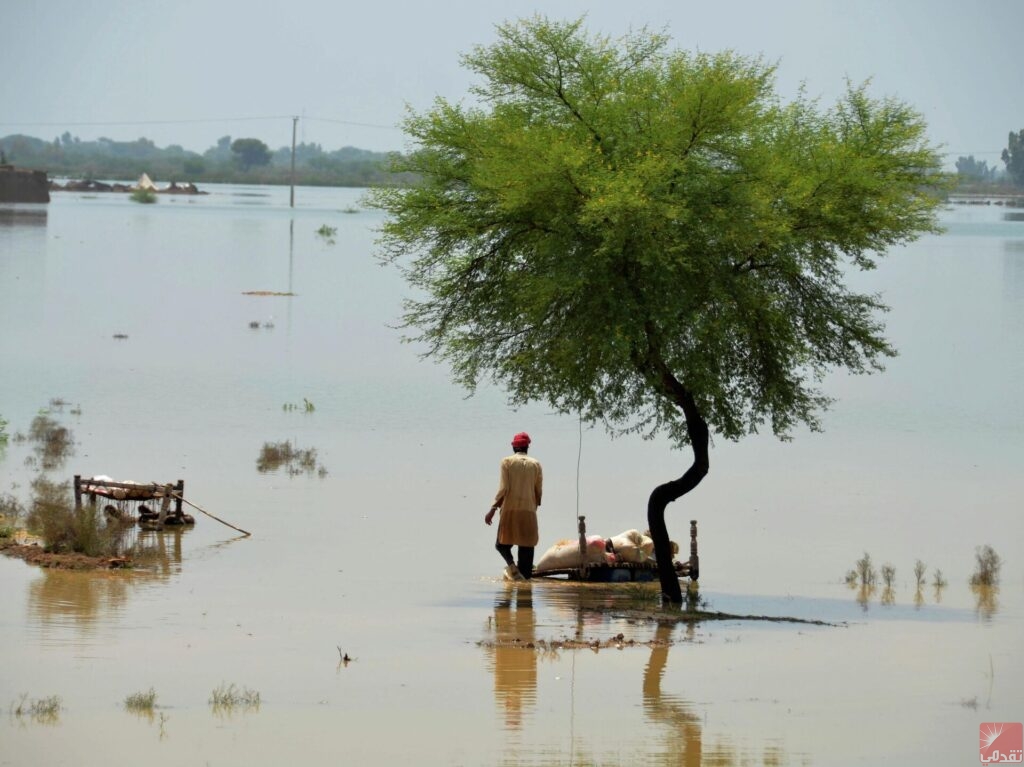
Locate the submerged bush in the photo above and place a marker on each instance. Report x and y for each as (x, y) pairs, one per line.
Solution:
(919, 570)
(866, 571)
(53, 442)
(277, 455)
(986, 571)
(888, 575)
(145, 196)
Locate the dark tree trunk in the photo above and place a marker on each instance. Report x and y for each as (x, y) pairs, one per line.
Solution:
(665, 494)
(650, 363)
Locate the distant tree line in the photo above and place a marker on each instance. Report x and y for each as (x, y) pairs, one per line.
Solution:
(242, 160)
(975, 173)
(249, 160)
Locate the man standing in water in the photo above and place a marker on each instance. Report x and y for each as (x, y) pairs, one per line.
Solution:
(518, 498)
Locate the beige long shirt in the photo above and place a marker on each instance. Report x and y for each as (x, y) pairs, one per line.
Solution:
(518, 496)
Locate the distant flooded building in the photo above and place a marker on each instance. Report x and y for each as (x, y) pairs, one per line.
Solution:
(22, 185)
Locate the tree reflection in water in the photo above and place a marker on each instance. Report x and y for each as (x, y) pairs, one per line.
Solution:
(986, 600)
(683, 742)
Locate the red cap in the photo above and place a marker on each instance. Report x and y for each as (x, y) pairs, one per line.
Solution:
(522, 439)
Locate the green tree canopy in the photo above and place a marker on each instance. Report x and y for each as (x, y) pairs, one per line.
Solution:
(1013, 156)
(650, 237)
(250, 152)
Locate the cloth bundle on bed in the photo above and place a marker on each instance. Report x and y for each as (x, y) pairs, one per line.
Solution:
(632, 546)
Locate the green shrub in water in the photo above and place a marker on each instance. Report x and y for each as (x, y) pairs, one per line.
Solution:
(145, 196)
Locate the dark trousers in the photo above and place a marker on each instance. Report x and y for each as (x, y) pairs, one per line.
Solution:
(525, 563)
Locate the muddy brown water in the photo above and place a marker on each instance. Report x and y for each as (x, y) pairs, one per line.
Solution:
(385, 557)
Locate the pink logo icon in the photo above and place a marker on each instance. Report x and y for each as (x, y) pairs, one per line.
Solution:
(1001, 742)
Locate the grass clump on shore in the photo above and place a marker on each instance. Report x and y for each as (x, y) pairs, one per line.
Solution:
(11, 512)
(63, 528)
(141, 702)
(228, 697)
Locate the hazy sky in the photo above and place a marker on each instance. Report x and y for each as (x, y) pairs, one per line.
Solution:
(190, 71)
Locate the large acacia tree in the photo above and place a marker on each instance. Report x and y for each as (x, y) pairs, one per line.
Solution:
(652, 238)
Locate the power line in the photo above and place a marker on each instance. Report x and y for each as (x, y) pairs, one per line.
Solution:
(350, 122)
(144, 122)
(113, 123)
(978, 151)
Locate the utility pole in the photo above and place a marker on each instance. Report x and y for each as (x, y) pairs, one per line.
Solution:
(295, 122)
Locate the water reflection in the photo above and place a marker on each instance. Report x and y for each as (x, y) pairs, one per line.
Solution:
(61, 596)
(684, 734)
(579, 612)
(986, 602)
(85, 599)
(23, 215)
(1013, 269)
(512, 657)
(887, 596)
(864, 593)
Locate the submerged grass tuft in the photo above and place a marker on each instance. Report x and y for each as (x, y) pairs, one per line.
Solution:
(228, 697)
(44, 710)
(141, 702)
(278, 455)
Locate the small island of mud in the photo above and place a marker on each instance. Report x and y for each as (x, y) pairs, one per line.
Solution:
(35, 554)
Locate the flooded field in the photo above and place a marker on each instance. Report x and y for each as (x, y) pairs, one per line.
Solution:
(366, 615)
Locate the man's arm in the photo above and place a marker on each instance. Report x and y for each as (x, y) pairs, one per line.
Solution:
(499, 497)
